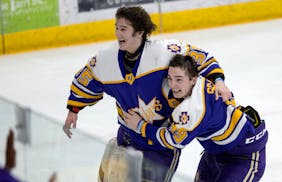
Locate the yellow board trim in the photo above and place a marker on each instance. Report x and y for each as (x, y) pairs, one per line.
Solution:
(172, 22)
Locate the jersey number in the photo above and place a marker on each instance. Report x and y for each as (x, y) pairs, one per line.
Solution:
(85, 77)
(179, 135)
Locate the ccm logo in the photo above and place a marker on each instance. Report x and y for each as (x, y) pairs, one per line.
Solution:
(256, 137)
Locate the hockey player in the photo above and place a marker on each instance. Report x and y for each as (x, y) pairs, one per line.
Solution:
(132, 71)
(233, 137)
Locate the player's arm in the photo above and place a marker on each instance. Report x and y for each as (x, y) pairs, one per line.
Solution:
(209, 67)
(85, 90)
(70, 123)
(172, 137)
(10, 162)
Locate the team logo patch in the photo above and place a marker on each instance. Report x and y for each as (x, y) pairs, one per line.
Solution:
(174, 48)
(148, 110)
(93, 62)
(129, 78)
(183, 118)
(173, 102)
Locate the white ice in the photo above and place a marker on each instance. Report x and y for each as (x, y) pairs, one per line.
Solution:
(250, 54)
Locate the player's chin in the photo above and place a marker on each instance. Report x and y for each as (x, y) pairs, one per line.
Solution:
(177, 95)
(122, 46)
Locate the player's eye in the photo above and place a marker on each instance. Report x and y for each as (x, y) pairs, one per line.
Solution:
(179, 80)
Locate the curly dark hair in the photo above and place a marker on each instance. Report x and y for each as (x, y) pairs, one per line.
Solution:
(186, 63)
(139, 19)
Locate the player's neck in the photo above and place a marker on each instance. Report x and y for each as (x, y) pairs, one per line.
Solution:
(135, 55)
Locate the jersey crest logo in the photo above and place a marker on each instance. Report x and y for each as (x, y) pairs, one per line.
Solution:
(184, 118)
(93, 62)
(148, 111)
(129, 78)
(173, 102)
(174, 48)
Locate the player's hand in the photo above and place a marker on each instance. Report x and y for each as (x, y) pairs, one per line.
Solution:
(70, 123)
(132, 118)
(10, 152)
(53, 177)
(222, 90)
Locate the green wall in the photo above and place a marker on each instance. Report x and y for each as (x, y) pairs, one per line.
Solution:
(22, 15)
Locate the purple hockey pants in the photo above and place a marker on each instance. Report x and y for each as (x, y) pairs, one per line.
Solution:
(243, 163)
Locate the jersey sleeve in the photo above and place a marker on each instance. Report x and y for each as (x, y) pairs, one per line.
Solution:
(187, 121)
(85, 89)
(208, 66)
(172, 137)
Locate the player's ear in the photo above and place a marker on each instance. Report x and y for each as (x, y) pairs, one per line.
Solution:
(194, 80)
(140, 33)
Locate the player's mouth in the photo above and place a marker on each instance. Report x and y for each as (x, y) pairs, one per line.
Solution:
(176, 92)
(121, 42)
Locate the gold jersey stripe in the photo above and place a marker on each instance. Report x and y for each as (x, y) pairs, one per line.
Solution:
(83, 94)
(80, 104)
(236, 116)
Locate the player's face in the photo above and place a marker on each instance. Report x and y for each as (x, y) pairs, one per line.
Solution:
(179, 82)
(128, 39)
